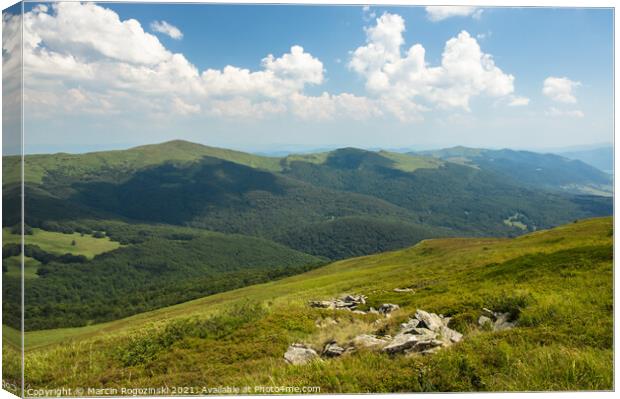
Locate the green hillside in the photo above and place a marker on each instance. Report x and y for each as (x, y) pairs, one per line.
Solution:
(121, 163)
(556, 285)
(157, 266)
(233, 192)
(356, 236)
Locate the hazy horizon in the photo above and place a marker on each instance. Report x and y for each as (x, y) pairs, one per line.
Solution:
(281, 150)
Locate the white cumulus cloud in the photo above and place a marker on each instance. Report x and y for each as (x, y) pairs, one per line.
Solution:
(167, 29)
(560, 89)
(402, 80)
(83, 58)
(439, 13)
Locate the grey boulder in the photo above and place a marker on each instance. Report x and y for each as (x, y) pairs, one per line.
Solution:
(299, 354)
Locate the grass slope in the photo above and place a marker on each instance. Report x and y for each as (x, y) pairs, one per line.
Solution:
(61, 243)
(120, 162)
(558, 283)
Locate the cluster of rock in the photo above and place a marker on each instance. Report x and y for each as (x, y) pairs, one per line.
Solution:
(495, 320)
(351, 302)
(425, 333)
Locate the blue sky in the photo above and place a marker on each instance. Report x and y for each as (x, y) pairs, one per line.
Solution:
(549, 84)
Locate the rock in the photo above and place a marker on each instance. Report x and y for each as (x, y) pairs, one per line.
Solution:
(426, 334)
(430, 351)
(321, 304)
(388, 308)
(406, 343)
(347, 302)
(373, 311)
(298, 354)
(497, 321)
(489, 313)
(429, 320)
(412, 323)
(450, 336)
(401, 343)
(403, 290)
(358, 299)
(502, 323)
(484, 320)
(419, 331)
(369, 341)
(332, 349)
(359, 312)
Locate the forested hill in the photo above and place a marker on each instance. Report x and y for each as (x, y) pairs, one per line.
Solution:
(190, 184)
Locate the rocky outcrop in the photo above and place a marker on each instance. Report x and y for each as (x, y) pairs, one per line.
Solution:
(332, 349)
(495, 320)
(388, 308)
(370, 341)
(347, 302)
(299, 354)
(425, 333)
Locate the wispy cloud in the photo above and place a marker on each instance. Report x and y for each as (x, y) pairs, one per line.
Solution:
(439, 13)
(167, 29)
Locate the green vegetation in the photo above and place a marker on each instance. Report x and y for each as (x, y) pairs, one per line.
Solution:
(59, 243)
(39, 168)
(558, 284)
(355, 236)
(13, 267)
(159, 266)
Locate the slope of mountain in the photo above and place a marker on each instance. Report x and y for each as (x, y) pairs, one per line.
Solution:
(355, 236)
(462, 198)
(543, 171)
(189, 184)
(556, 284)
(601, 158)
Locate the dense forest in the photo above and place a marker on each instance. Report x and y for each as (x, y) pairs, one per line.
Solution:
(158, 266)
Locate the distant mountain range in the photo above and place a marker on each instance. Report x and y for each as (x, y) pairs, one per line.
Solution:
(601, 158)
(548, 171)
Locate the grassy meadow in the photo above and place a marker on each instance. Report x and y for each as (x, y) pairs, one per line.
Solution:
(62, 243)
(556, 283)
